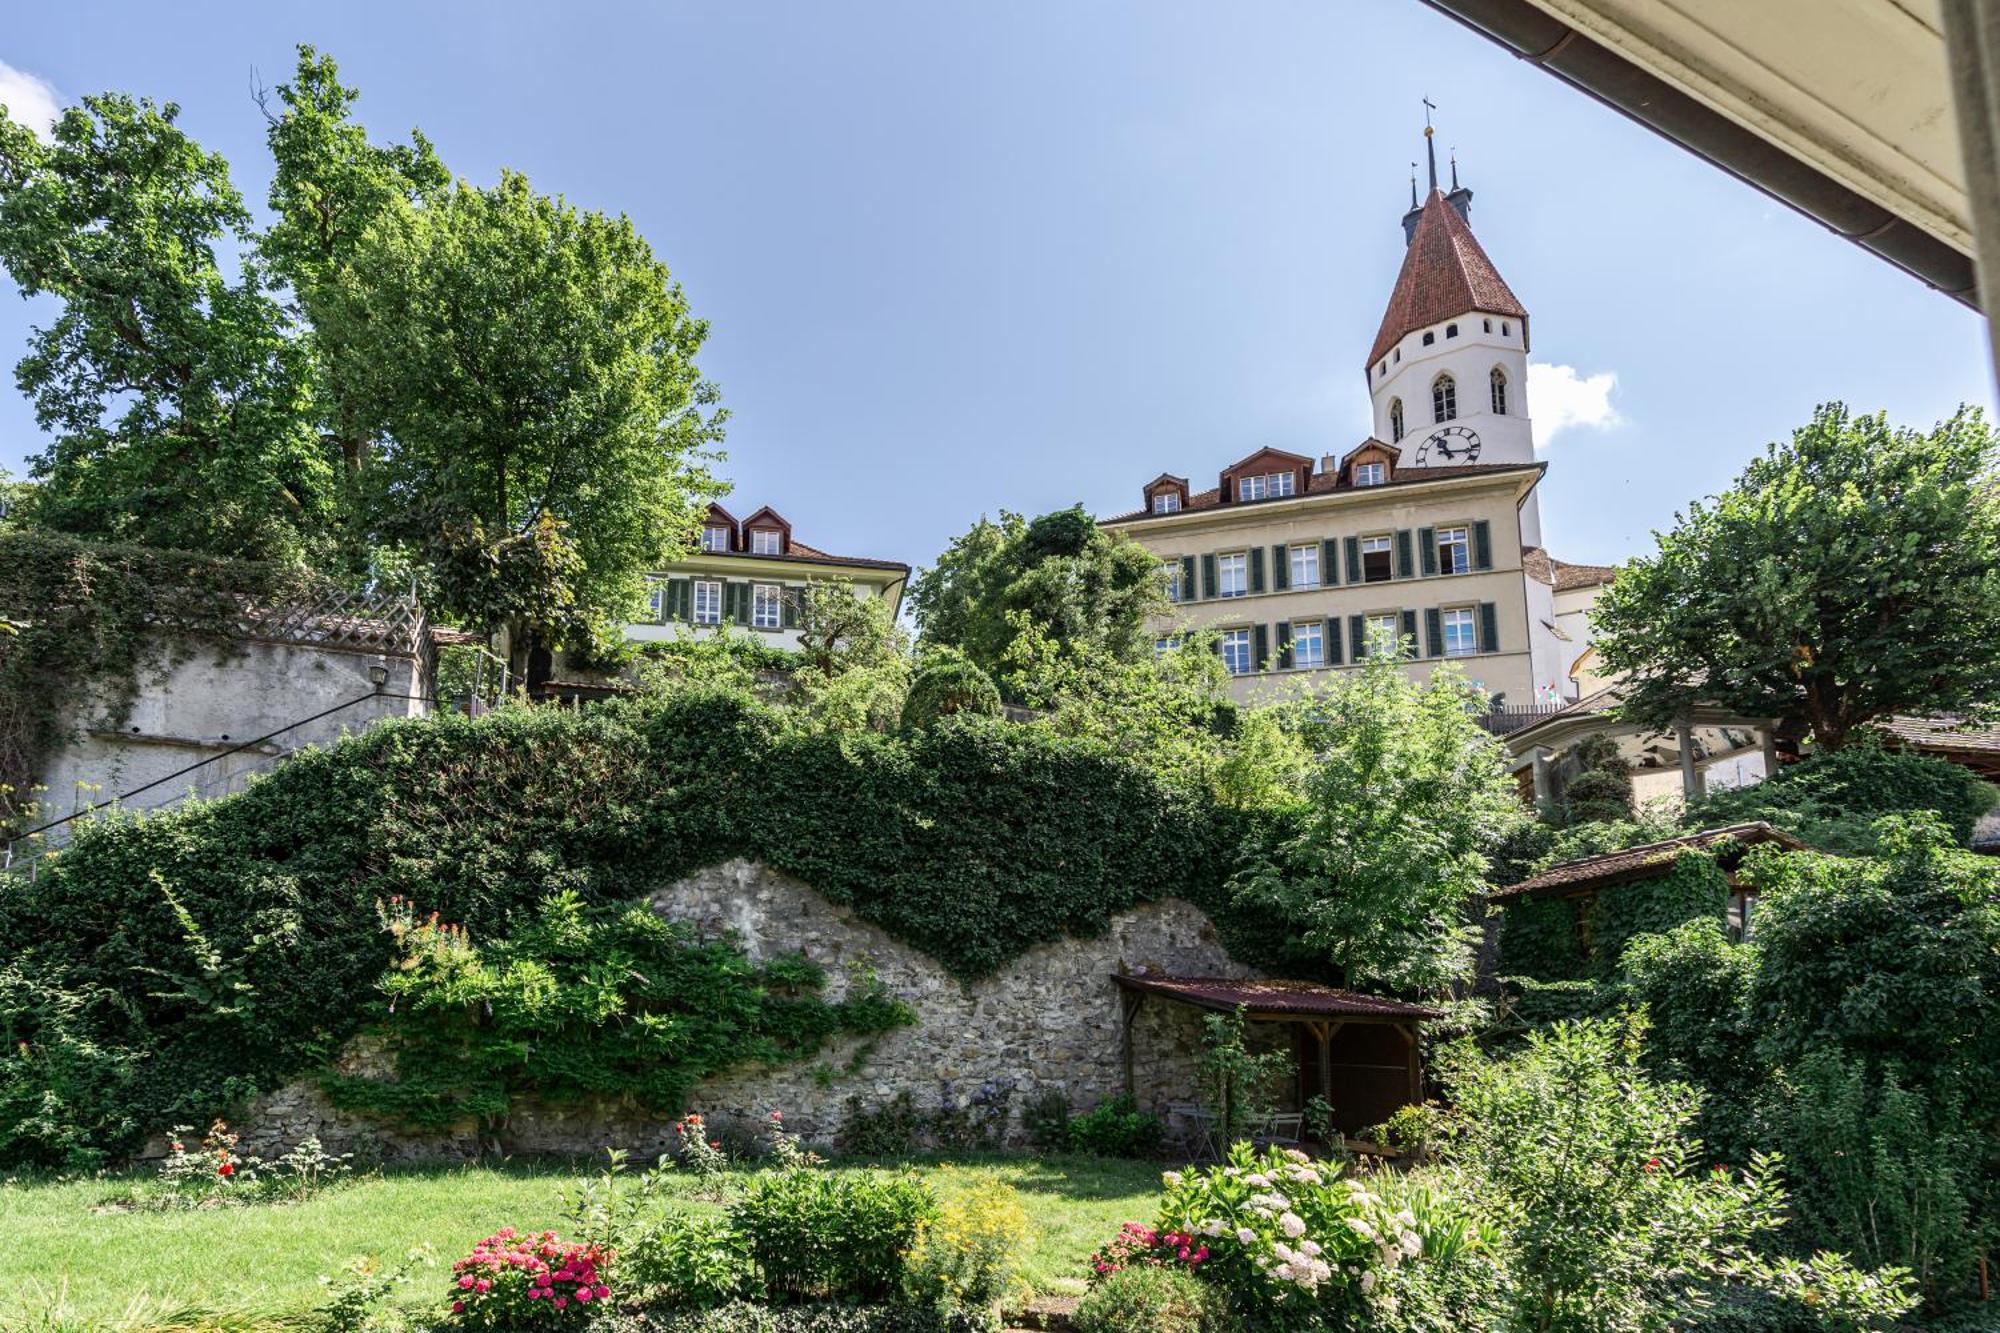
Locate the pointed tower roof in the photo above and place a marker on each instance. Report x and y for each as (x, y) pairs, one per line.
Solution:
(1445, 273)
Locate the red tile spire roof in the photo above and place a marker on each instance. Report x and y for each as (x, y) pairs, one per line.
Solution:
(1445, 273)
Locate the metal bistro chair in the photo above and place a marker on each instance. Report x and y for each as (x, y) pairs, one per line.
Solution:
(1192, 1131)
(1284, 1129)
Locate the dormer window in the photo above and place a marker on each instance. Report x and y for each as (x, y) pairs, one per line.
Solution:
(766, 541)
(715, 537)
(1371, 474)
(1167, 502)
(1269, 486)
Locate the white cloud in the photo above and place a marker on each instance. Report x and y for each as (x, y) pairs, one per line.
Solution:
(1559, 398)
(31, 101)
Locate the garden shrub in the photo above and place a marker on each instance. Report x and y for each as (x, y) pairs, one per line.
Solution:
(684, 1260)
(968, 1257)
(1831, 800)
(888, 1130)
(166, 967)
(948, 682)
(1539, 939)
(1045, 1120)
(1154, 1300)
(1116, 1127)
(513, 1277)
(747, 1317)
(577, 1003)
(819, 1236)
(1692, 982)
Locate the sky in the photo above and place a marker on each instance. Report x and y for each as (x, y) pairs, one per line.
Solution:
(962, 257)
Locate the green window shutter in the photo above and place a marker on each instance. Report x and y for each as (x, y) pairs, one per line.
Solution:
(1489, 628)
(1187, 578)
(680, 598)
(1330, 636)
(1427, 550)
(1284, 645)
(1260, 647)
(789, 599)
(1406, 568)
(1482, 545)
(1281, 569)
(1208, 577)
(1354, 560)
(1433, 633)
(1357, 636)
(734, 595)
(1329, 563)
(1410, 632)
(1256, 563)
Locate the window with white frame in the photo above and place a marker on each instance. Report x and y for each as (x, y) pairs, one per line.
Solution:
(1386, 628)
(1267, 486)
(1308, 643)
(1165, 644)
(707, 602)
(1370, 474)
(1377, 566)
(1236, 652)
(1171, 573)
(1167, 502)
(1230, 575)
(656, 600)
(1454, 551)
(1461, 636)
(1305, 566)
(767, 606)
(715, 537)
(765, 541)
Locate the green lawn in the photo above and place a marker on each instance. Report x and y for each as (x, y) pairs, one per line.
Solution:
(65, 1253)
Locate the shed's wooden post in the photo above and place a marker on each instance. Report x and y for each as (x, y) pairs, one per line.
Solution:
(1128, 1010)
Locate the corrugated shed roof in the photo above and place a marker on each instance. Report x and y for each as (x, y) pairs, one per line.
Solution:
(1593, 872)
(1444, 274)
(1303, 999)
(1946, 732)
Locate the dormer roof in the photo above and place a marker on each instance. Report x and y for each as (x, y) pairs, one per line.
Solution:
(1445, 274)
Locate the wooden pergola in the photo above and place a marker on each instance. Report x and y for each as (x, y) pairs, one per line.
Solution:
(1358, 1051)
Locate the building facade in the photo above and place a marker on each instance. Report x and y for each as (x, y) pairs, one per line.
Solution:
(1429, 530)
(747, 576)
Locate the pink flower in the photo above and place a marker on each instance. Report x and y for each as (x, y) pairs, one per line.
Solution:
(483, 1285)
(466, 1282)
(583, 1293)
(603, 1291)
(458, 1307)
(562, 1302)
(534, 1293)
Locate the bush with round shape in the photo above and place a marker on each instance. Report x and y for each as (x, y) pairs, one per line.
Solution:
(814, 1235)
(1154, 1300)
(948, 682)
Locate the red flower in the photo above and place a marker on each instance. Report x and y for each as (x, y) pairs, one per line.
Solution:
(1653, 1165)
(226, 1169)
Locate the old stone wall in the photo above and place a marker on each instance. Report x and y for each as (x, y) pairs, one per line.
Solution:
(1048, 1020)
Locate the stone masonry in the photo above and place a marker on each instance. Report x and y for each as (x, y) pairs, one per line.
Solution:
(1050, 1019)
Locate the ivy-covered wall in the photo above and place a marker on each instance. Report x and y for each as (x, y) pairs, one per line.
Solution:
(163, 967)
(1583, 938)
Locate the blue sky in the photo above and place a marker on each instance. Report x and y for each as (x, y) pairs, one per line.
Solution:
(965, 257)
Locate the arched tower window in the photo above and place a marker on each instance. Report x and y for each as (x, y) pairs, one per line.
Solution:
(1444, 399)
(1395, 420)
(1499, 379)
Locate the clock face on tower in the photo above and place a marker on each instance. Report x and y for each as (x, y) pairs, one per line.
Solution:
(1450, 444)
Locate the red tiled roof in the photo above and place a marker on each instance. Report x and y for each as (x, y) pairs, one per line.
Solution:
(1323, 483)
(1570, 576)
(1301, 998)
(1445, 273)
(1642, 862)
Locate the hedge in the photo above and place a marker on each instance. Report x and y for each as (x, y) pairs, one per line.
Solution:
(164, 967)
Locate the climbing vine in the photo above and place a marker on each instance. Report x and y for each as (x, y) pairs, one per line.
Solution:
(85, 621)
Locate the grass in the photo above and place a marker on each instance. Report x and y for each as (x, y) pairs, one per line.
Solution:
(75, 1264)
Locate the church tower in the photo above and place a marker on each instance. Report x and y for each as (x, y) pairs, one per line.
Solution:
(1448, 373)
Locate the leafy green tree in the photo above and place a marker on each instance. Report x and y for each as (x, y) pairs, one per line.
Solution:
(180, 401)
(1076, 583)
(947, 682)
(854, 662)
(1850, 574)
(1376, 866)
(527, 370)
(1609, 1222)
(329, 186)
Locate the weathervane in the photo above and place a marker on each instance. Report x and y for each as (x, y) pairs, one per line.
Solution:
(1430, 148)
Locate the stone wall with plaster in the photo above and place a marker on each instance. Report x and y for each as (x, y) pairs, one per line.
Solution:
(1048, 1020)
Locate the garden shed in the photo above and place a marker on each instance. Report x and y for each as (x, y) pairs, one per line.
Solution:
(1360, 1052)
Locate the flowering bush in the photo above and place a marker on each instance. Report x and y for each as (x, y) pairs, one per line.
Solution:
(698, 1152)
(1139, 1246)
(1153, 1300)
(513, 1278)
(788, 1151)
(1286, 1235)
(968, 1256)
(210, 1172)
